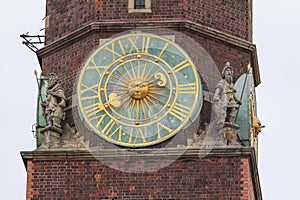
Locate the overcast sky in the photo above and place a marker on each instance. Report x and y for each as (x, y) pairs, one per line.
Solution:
(277, 36)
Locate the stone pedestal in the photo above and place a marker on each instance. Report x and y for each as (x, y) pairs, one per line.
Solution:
(230, 134)
(227, 136)
(51, 137)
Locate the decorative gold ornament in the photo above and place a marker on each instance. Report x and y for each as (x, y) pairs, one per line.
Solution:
(255, 123)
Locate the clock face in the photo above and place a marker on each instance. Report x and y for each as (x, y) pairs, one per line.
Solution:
(138, 89)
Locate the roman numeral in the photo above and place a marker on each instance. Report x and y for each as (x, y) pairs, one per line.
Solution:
(99, 121)
(180, 111)
(145, 44)
(133, 45)
(121, 47)
(106, 129)
(133, 139)
(130, 135)
(92, 109)
(140, 135)
(93, 66)
(108, 126)
(89, 97)
(189, 88)
(117, 131)
(112, 50)
(163, 50)
(93, 88)
(181, 65)
(160, 127)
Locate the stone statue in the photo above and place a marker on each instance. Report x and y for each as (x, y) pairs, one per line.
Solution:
(225, 99)
(224, 106)
(53, 109)
(54, 136)
(55, 102)
(222, 129)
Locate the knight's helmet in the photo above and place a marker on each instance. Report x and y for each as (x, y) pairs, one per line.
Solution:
(226, 66)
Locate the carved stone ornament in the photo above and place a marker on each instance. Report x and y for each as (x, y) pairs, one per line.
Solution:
(227, 136)
(71, 138)
(57, 139)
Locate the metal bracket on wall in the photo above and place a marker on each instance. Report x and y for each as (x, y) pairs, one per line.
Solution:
(33, 42)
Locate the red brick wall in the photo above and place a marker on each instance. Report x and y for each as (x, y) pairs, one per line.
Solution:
(69, 15)
(228, 16)
(248, 194)
(29, 190)
(187, 178)
(67, 61)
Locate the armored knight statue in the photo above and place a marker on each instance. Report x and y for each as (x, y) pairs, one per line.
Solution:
(53, 110)
(225, 97)
(55, 102)
(54, 136)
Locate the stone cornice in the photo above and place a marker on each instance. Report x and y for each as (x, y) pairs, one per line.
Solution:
(190, 153)
(97, 27)
(84, 154)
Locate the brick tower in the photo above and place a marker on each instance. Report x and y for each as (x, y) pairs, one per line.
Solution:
(71, 160)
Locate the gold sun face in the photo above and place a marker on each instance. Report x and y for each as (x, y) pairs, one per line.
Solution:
(138, 90)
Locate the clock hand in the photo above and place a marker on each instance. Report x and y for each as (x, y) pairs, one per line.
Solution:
(139, 84)
(113, 99)
(134, 87)
(161, 78)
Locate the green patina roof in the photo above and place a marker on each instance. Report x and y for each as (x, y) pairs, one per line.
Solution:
(41, 121)
(244, 85)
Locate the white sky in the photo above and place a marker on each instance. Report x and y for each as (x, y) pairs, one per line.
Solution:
(277, 36)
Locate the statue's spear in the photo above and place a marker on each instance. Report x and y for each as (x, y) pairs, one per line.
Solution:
(38, 83)
(40, 97)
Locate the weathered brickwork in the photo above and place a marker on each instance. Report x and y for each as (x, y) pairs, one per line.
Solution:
(228, 16)
(67, 61)
(29, 191)
(68, 16)
(247, 181)
(187, 178)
